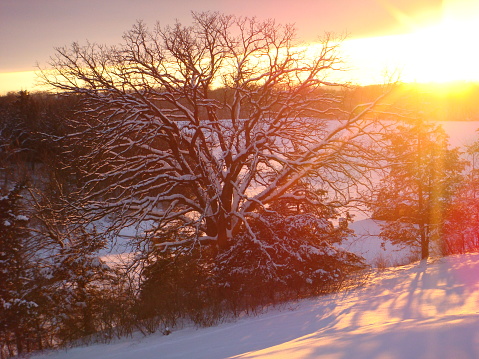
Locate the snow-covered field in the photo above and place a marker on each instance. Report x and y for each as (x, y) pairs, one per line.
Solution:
(461, 133)
(376, 252)
(365, 242)
(423, 310)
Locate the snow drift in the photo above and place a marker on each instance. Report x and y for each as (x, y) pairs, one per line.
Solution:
(423, 310)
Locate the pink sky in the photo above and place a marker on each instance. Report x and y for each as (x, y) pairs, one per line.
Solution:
(30, 29)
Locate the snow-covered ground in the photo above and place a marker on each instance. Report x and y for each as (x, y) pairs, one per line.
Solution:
(461, 133)
(377, 253)
(423, 310)
(415, 311)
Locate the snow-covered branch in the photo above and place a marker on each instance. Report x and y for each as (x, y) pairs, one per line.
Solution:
(199, 127)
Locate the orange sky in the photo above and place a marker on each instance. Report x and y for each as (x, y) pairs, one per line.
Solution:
(431, 50)
(388, 30)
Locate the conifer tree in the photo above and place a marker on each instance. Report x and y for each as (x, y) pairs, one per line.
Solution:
(17, 308)
(461, 229)
(420, 182)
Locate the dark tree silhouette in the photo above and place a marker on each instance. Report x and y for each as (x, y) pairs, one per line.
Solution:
(197, 128)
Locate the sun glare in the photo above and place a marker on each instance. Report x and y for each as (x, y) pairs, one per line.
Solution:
(440, 52)
(435, 50)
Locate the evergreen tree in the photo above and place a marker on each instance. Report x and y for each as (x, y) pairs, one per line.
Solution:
(18, 308)
(285, 253)
(80, 281)
(461, 229)
(421, 179)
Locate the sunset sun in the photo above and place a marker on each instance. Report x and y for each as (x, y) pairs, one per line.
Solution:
(441, 53)
(437, 52)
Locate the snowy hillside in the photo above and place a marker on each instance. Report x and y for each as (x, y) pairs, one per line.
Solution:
(423, 310)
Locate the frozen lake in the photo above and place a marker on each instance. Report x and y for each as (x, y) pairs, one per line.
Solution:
(461, 132)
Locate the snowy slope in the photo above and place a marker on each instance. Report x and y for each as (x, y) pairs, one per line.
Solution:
(423, 310)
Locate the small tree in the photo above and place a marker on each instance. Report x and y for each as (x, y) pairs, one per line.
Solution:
(421, 181)
(77, 276)
(80, 281)
(288, 256)
(461, 229)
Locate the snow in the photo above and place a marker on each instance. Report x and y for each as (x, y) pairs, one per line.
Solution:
(377, 253)
(461, 133)
(423, 310)
(415, 311)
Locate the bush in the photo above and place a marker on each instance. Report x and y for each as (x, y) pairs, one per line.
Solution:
(283, 258)
(279, 258)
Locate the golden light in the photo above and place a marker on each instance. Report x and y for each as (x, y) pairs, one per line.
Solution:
(440, 52)
(16, 81)
(435, 50)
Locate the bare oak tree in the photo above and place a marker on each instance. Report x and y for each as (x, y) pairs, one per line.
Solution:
(195, 128)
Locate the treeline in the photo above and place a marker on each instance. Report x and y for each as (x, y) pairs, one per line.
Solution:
(436, 102)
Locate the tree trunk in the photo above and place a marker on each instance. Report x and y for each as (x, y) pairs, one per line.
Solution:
(424, 242)
(222, 235)
(422, 227)
(19, 342)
